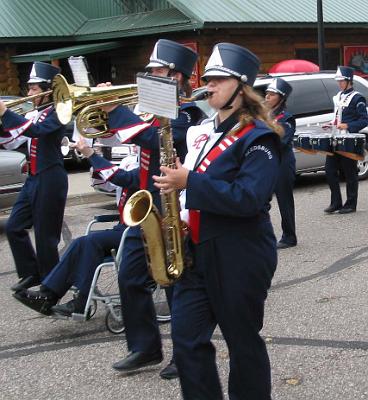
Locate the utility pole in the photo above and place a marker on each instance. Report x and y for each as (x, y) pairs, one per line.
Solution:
(321, 36)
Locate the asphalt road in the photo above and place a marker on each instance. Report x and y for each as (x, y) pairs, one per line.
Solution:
(315, 325)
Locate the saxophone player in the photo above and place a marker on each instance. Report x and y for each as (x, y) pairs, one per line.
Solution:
(229, 182)
(142, 333)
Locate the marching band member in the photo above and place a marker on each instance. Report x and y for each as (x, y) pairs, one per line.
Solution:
(142, 333)
(229, 175)
(42, 199)
(78, 264)
(277, 93)
(350, 115)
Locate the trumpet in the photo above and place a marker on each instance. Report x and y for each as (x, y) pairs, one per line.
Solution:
(87, 102)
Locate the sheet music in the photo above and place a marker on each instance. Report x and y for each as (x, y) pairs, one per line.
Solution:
(158, 96)
(79, 70)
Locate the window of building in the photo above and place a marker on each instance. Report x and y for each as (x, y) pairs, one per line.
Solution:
(332, 56)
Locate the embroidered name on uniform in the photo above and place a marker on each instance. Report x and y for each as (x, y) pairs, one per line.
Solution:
(261, 148)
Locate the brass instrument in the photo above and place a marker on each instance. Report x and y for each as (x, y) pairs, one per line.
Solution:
(91, 120)
(12, 104)
(162, 235)
(87, 103)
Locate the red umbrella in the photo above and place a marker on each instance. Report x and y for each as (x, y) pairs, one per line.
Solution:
(294, 66)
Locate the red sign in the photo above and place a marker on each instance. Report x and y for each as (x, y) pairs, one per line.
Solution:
(357, 57)
(195, 78)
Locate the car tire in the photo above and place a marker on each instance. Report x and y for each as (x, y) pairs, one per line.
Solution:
(363, 168)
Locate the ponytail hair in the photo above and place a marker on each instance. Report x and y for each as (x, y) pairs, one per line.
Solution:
(253, 108)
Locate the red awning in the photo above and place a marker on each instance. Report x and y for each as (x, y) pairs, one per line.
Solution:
(294, 66)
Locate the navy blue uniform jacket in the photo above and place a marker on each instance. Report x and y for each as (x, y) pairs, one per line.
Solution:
(233, 194)
(49, 133)
(355, 114)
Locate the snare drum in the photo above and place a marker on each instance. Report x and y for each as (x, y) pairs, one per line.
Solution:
(322, 143)
(304, 143)
(350, 145)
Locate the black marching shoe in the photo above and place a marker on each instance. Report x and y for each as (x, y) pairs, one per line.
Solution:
(25, 283)
(138, 359)
(346, 210)
(39, 300)
(331, 209)
(77, 305)
(284, 245)
(170, 371)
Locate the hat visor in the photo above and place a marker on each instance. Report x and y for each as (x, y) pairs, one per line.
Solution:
(342, 78)
(273, 90)
(214, 72)
(36, 80)
(155, 64)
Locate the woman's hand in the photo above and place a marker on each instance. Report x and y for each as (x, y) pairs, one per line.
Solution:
(173, 179)
(82, 147)
(342, 126)
(2, 108)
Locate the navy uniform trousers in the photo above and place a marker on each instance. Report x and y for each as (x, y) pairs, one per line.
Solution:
(334, 165)
(285, 198)
(40, 204)
(223, 289)
(78, 264)
(134, 284)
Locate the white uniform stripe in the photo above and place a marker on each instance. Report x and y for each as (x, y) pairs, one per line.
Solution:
(128, 133)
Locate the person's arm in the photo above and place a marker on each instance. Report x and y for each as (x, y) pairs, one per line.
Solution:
(247, 194)
(361, 120)
(18, 125)
(288, 123)
(130, 128)
(105, 171)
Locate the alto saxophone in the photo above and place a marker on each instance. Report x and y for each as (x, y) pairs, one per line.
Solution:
(162, 233)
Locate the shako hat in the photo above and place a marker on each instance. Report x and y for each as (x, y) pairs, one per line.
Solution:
(280, 86)
(344, 73)
(228, 59)
(42, 72)
(173, 55)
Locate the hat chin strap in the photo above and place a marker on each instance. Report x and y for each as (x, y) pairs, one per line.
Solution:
(228, 105)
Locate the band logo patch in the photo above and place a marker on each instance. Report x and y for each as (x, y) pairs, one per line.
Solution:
(199, 140)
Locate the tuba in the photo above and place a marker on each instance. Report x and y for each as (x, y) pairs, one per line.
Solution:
(162, 234)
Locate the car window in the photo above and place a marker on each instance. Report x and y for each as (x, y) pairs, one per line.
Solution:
(361, 89)
(309, 97)
(333, 88)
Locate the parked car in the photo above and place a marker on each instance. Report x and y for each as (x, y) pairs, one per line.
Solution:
(311, 104)
(13, 173)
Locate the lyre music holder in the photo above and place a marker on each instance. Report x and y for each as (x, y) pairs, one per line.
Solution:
(158, 95)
